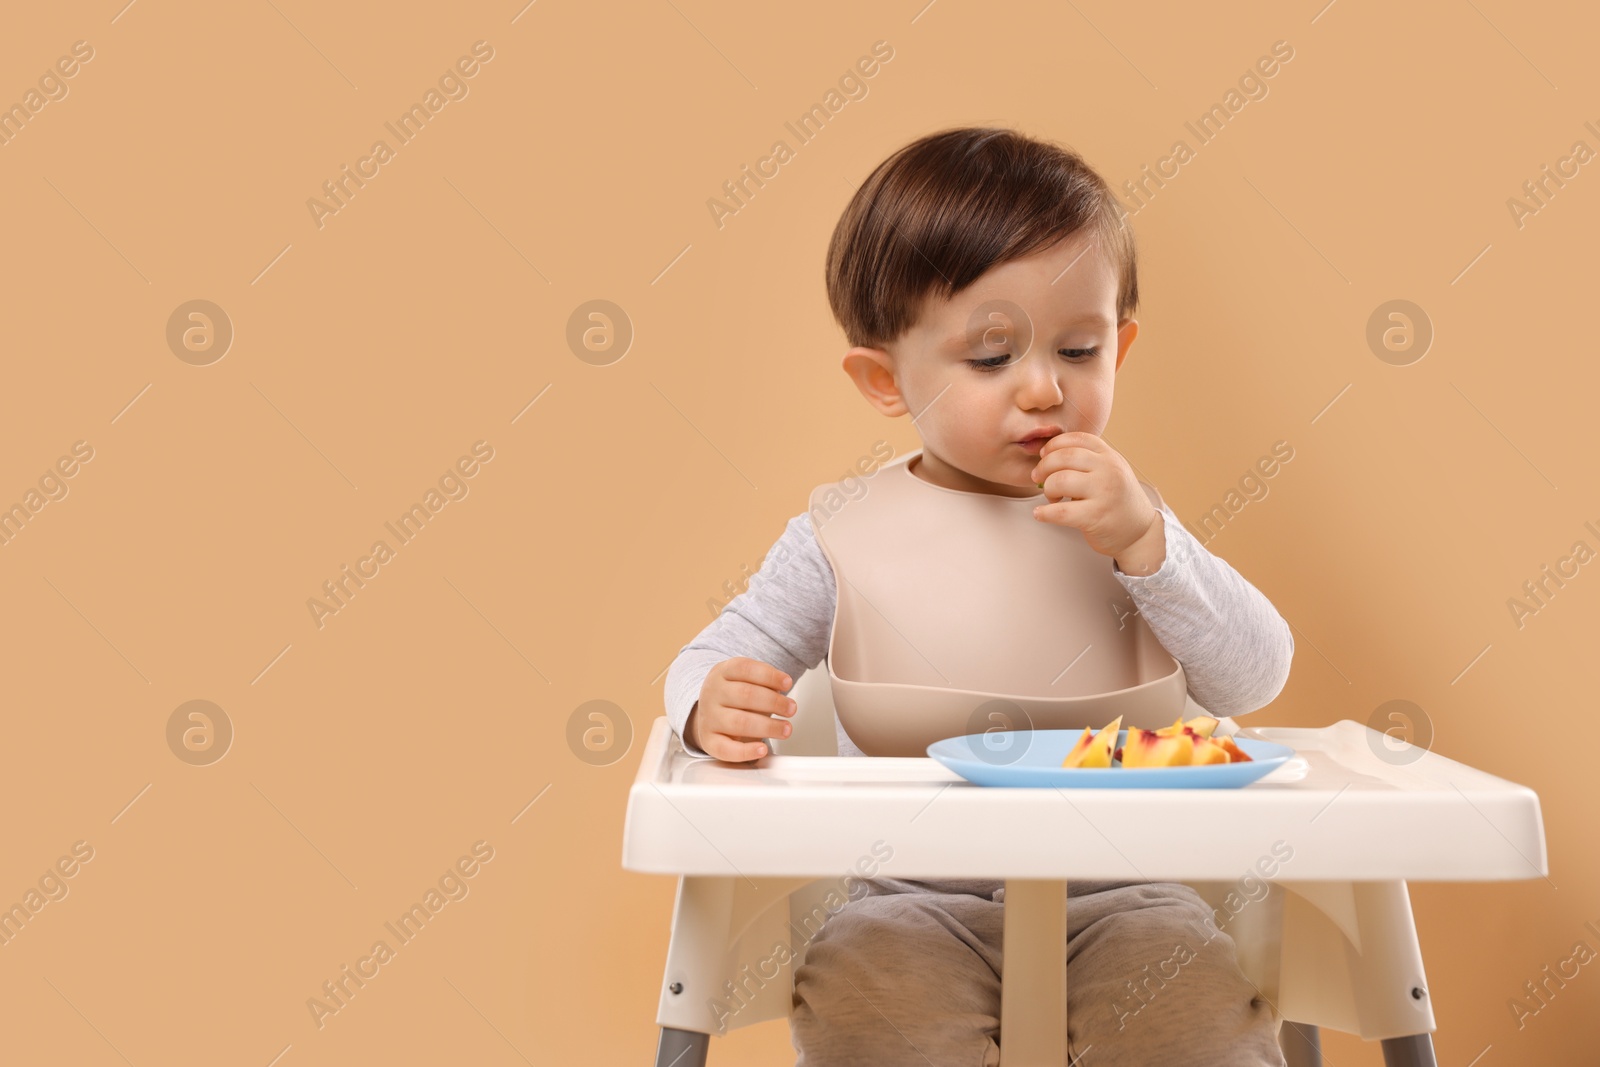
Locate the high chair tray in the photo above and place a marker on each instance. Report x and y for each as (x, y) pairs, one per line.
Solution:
(1348, 812)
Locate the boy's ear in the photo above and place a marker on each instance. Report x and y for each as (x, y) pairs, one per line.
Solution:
(872, 369)
(1127, 330)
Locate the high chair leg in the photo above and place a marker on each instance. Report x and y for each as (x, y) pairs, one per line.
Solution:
(682, 1048)
(1033, 990)
(1301, 1044)
(1413, 1051)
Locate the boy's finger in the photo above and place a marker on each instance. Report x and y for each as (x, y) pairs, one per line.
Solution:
(734, 750)
(1062, 513)
(740, 724)
(755, 724)
(744, 669)
(1072, 457)
(1068, 484)
(749, 748)
(1081, 439)
(752, 696)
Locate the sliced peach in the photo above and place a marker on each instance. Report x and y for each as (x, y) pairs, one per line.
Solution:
(1235, 753)
(1174, 730)
(1085, 739)
(1094, 751)
(1146, 749)
(1201, 726)
(1107, 738)
(1209, 750)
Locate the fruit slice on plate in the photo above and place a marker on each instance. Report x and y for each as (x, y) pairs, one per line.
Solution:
(1094, 749)
(1235, 753)
(1181, 744)
(1147, 748)
(1200, 726)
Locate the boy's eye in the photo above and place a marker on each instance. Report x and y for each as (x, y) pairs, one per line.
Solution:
(1076, 355)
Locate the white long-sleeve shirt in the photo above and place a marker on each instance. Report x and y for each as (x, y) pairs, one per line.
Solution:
(1234, 646)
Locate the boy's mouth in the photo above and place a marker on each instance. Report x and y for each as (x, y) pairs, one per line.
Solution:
(1034, 442)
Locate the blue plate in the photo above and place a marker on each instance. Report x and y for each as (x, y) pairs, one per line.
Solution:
(1032, 758)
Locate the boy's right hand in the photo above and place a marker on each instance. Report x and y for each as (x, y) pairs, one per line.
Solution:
(736, 705)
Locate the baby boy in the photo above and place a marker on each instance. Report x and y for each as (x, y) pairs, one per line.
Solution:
(986, 283)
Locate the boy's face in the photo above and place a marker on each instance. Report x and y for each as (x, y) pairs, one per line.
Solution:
(1033, 320)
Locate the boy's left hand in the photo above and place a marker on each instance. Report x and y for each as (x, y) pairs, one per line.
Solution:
(1093, 489)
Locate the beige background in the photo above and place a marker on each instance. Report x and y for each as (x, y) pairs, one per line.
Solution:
(432, 309)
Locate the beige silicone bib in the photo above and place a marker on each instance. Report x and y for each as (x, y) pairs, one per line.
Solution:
(959, 612)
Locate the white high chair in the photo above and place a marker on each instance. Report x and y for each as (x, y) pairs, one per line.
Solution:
(1338, 954)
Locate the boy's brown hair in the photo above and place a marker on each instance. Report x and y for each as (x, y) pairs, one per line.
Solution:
(945, 208)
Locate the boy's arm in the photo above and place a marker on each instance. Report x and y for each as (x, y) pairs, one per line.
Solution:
(1234, 646)
(783, 618)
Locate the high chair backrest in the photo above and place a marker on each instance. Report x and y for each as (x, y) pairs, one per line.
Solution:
(814, 717)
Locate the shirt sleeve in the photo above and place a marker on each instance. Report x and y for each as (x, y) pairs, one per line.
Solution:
(1234, 645)
(783, 618)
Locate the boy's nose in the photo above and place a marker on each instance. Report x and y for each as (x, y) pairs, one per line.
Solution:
(1040, 387)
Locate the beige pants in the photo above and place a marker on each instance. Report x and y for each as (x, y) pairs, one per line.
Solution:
(909, 973)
